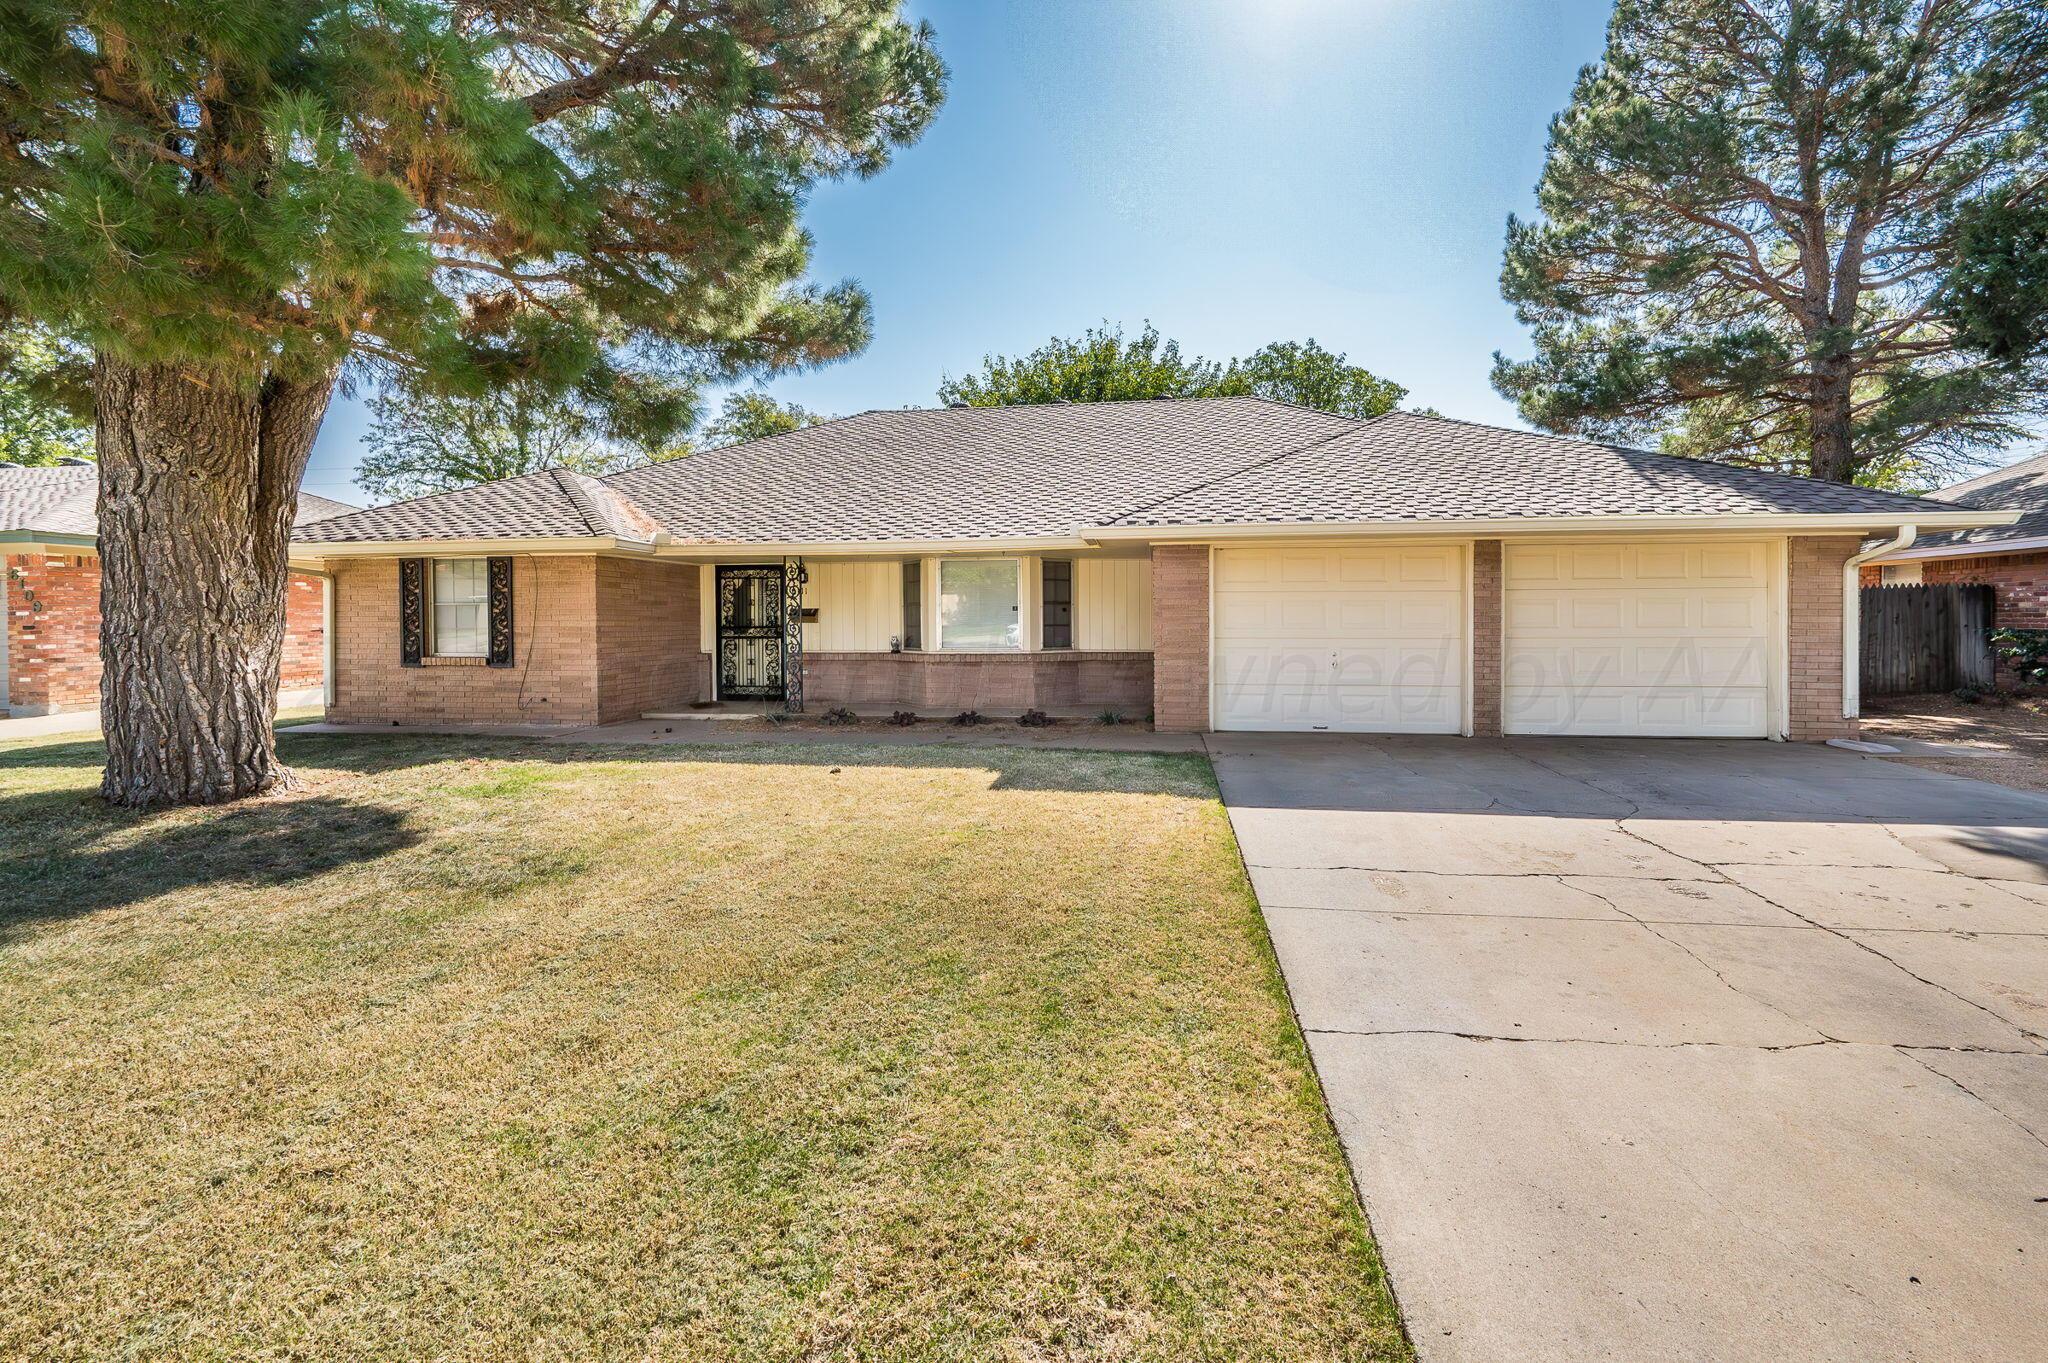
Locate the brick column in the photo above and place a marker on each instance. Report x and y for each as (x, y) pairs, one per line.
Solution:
(1180, 637)
(1815, 626)
(1486, 635)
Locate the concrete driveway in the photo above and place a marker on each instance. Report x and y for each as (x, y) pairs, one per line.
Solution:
(1672, 1050)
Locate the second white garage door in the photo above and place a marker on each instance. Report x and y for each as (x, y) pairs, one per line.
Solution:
(1650, 639)
(1358, 639)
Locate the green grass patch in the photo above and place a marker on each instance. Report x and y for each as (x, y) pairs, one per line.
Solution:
(484, 1049)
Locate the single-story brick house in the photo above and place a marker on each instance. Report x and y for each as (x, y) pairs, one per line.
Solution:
(2011, 559)
(49, 551)
(1225, 563)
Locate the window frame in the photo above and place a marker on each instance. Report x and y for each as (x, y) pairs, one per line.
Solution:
(911, 602)
(939, 601)
(1046, 579)
(434, 603)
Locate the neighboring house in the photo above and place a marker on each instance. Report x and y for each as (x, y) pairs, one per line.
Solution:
(1226, 563)
(49, 551)
(2012, 559)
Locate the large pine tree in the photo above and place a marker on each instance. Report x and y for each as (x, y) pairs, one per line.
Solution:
(231, 199)
(1793, 233)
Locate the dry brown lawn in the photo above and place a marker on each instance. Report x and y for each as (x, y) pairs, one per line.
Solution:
(479, 1050)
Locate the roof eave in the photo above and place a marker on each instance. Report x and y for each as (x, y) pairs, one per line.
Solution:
(1769, 522)
(41, 539)
(1972, 549)
(315, 550)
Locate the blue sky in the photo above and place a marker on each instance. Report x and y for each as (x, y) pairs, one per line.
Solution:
(1235, 171)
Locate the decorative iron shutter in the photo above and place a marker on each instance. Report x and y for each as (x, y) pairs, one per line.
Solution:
(412, 611)
(500, 613)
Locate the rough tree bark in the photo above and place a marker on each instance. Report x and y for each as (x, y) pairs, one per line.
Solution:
(199, 484)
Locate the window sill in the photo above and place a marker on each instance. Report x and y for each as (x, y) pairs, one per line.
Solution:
(452, 660)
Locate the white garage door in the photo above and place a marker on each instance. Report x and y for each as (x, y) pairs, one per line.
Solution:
(1363, 639)
(1652, 639)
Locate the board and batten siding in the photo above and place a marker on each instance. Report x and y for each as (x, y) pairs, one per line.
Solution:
(859, 603)
(1113, 604)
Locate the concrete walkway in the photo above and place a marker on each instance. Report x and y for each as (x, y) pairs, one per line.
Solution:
(1702, 1051)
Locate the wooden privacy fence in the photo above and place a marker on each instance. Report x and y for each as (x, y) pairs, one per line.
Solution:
(1933, 638)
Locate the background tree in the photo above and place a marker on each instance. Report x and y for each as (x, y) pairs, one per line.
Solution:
(1309, 376)
(420, 441)
(45, 412)
(1757, 236)
(228, 200)
(755, 416)
(1101, 365)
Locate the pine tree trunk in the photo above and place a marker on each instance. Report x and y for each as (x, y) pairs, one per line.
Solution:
(199, 484)
(1834, 427)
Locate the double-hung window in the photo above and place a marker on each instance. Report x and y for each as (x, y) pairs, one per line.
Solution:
(979, 605)
(460, 626)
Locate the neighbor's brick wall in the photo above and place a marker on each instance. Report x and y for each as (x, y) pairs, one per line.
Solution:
(2019, 583)
(1180, 637)
(305, 634)
(552, 680)
(1815, 603)
(1120, 681)
(1486, 638)
(647, 624)
(53, 633)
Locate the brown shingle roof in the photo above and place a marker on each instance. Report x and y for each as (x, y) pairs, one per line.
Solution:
(1050, 471)
(2021, 487)
(1409, 467)
(61, 500)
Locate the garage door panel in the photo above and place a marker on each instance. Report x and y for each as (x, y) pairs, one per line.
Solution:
(1651, 639)
(1616, 710)
(1337, 710)
(1360, 638)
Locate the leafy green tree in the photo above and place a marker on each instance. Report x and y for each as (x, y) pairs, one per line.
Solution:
(1309, 376)
(1767, 226)
(1102, 365)
(420, 441)
(231, 199)
(755, 416)
(44, 415)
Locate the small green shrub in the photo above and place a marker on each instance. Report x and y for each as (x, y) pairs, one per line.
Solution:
(2025, 651)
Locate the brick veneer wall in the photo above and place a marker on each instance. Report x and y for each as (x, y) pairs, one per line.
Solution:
(1815, 602)
(1180, 637)
(53, 633)
(2019, 584)
(647, 623)
(593, 640)
(552, 680)
(1486, 638)
(1120, 681)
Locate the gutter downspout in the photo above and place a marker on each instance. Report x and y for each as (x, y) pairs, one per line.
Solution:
(1852, 617)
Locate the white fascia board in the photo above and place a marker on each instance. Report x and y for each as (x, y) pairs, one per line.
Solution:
(302, 551)
(735, 550)
(1509, 526)
(1987, 549)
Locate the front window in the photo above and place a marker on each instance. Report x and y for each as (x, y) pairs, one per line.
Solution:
(978, 605)
(461, 594)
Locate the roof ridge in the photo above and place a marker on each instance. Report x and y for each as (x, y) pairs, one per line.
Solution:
(1143, 507)
(565, 479)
